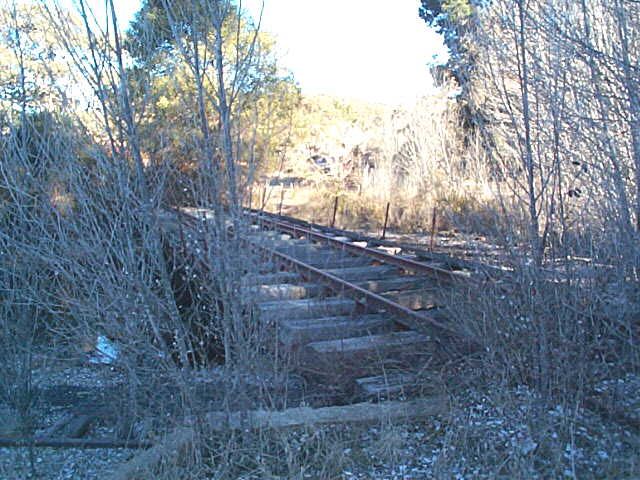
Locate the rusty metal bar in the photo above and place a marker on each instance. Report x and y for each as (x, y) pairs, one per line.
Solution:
(406, 317)
(419, 321)
(433, 227)
(335, 210)
(386, 219)
(263, 204)
(281, 200)
(487, 270)
(72, 443)
(404, 263)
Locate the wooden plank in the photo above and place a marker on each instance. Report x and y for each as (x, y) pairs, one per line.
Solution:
(304, 416)
(300, 332)
(270, 236)
(69, 426)
(142, 465)
(336, 261)
(57, 426)
(283, 291)
(78, 426)
(415, 300)
(326, 258)
(356, 274)
(301, 250)
(272, 278)
(306, 308)
(371, 344)
(398, 283)
(381, 385)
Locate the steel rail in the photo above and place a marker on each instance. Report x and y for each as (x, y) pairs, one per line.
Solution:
(404, 263)
(488, 272)
(407, 317)
(420, 321)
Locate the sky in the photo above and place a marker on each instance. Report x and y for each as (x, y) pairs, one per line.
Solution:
(372, 50)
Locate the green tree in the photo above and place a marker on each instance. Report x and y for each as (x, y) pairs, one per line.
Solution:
(33, 76)
(173, 46)
(437, 11)
(454, 20)
(450, 18)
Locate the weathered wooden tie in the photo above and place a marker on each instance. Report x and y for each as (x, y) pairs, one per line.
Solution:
(302, 331)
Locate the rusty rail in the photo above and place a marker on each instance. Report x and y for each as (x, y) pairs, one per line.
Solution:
(406, 317)
(486, 272)
(420, 321)
(404, 263)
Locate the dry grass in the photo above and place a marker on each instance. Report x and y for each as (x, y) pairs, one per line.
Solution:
(421, 164)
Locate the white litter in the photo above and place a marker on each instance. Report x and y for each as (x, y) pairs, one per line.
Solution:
(106, 352)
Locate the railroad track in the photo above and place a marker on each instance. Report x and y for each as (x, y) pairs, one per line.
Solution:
(346, 309)
(477, 270)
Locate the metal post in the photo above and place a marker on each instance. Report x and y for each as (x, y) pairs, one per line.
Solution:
(335, 210)
(281, 200)
(263, 204)
(433, 227)
(386, 219)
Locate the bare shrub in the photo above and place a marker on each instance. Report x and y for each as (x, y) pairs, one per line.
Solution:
(88, 249)
(415, 159)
